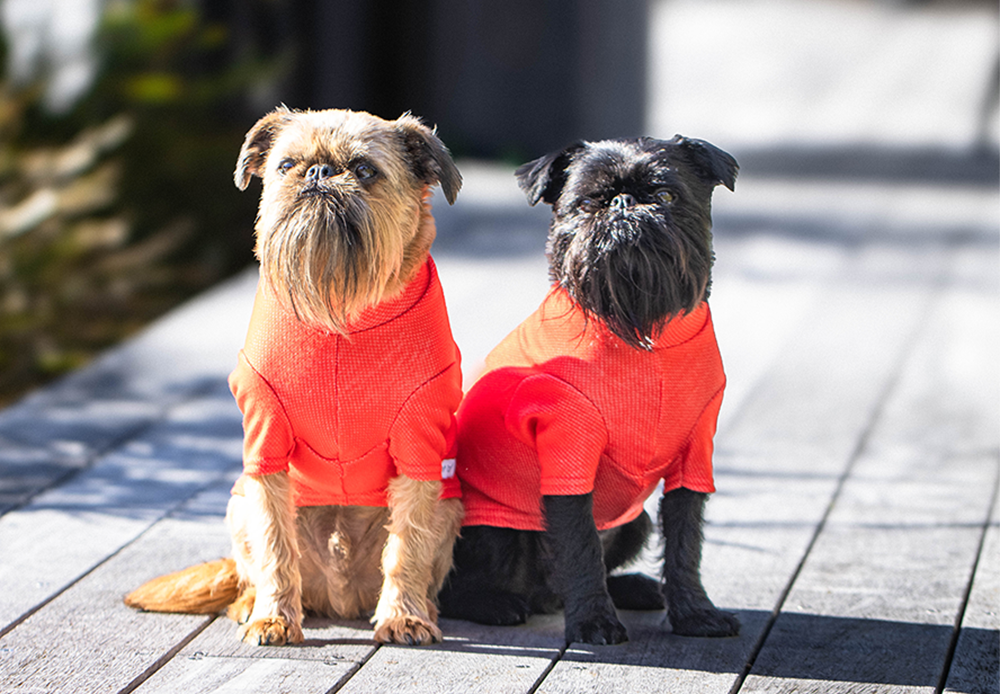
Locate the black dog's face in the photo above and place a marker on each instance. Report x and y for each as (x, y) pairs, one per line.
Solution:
(630, 238)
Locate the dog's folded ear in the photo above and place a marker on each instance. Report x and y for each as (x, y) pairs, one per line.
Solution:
(429, 158)
(258, 141)
(544, 178)
(711, 162)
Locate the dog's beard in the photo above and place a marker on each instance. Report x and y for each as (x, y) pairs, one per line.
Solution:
(325, 254)
(629, 270)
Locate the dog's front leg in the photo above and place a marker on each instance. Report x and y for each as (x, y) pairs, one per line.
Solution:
(416, 558)
(270, 558)
(579, 571)
(690, 611)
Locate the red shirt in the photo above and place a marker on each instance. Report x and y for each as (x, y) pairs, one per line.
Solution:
(343, 414)
(566, 407)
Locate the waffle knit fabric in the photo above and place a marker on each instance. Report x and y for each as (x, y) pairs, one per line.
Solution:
(344, 414)
(565, 407)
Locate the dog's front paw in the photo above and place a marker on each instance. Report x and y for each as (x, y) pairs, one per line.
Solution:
(407, 630)
(706, 622)
(271, 631)
(603, 630)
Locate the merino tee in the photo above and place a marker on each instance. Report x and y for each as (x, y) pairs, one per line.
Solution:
(344, 414)
(566, 407)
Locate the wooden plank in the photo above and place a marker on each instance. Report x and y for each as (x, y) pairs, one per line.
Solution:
(67, 531)
(64, 427)
(86, 640)
(249, 676)
(472, 658)
(879, 594)
(25, 470)
(975, 668)
(752, 272)
(341, 654)
(489, 659)
(976, 665)
(778, 466)
(432, 671)
(115, 647)
(833, 636)
(217, 661)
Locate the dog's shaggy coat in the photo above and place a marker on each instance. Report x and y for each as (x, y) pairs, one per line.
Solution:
(613, 385)
(344, 225)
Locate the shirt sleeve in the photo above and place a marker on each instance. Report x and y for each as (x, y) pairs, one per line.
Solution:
(267, 434)
(424, 432)
(696, 471)
(565, 429)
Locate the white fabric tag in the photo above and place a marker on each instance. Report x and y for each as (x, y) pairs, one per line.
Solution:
(447, 468)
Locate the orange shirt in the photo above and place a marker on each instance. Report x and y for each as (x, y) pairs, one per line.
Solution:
(566, 407)
(343, 414)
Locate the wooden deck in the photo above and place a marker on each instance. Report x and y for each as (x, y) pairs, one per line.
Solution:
(854, 530)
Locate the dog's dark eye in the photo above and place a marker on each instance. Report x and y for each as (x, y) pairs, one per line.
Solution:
(664, 196)
(285, 165)
(589, 204)
(365, 172)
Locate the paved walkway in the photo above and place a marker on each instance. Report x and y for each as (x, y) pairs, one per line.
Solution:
(855, 529)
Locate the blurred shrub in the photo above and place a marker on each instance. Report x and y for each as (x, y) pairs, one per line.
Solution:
(116, 211)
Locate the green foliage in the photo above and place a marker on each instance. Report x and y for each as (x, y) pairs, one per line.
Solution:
(114, 212)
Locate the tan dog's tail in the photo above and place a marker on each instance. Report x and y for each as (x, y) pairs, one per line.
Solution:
(203, 589)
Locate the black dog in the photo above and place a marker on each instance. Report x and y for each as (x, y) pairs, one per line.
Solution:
(611, 386)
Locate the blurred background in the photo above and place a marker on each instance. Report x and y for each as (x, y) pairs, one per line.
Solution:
(120, 120)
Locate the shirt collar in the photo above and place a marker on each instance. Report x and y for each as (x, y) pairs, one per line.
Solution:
(394, 307)
(559, 306)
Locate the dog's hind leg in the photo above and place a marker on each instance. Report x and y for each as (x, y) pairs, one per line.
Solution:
(690, 611)
(623, 545)
(498, 577)
(262, 525)
(422, 530)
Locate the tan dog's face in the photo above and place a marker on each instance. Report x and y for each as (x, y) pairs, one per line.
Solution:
(343, 217)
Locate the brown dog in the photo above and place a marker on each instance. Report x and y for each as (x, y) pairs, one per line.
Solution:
(348, 384)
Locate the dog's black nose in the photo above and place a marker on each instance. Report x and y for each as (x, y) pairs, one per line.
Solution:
(622, 201)
(317, 172)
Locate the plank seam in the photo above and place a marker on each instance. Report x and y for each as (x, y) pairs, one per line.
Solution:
(89, 462)
(354, 670)
(166, 514)
(859, 448)
(548, 669)
(967, 594)
(166, 657)
(126, 436)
